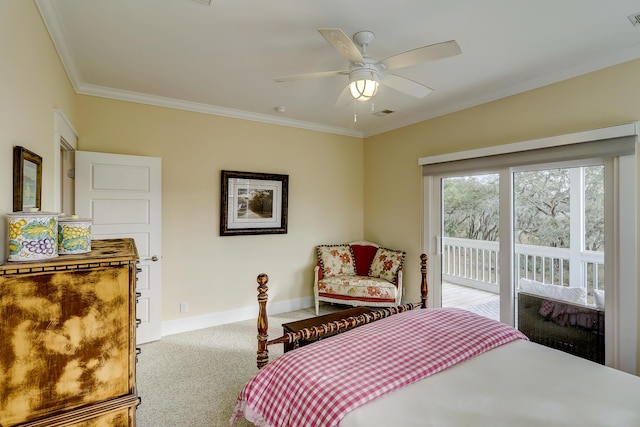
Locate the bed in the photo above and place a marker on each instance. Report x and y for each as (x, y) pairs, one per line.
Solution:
(436, 367)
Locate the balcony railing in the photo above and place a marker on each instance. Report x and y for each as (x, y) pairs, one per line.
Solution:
(474, 263)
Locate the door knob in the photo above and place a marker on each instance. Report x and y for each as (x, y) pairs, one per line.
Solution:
(153, 258)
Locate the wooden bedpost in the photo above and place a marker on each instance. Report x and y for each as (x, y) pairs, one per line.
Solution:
(263, 322)
(424, 286)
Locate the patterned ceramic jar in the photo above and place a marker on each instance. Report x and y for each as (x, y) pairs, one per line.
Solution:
(33, 235)
(74, 235)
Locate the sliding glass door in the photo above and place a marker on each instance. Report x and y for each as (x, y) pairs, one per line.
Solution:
(550, 221)
(567, 213)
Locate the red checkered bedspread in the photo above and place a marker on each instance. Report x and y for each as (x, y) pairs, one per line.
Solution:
(318, 384)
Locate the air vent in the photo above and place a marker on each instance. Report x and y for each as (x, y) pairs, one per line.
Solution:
(383, 113)
(635, 19)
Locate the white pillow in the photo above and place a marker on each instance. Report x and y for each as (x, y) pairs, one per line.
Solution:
(562, 293)
(599, 298)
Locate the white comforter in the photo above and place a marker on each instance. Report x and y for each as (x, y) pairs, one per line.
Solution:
(519, 384)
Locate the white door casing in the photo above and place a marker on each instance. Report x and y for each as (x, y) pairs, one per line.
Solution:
(122, 195)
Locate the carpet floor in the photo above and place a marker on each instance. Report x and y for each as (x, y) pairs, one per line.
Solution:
(192, 379)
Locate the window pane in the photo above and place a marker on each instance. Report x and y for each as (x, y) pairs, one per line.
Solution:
(470, 206)
(542, 211)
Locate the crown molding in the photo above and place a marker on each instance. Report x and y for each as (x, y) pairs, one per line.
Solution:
(123, 95)
(52, 22)
(631, 53)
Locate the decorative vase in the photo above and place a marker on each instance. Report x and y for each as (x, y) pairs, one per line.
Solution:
(33, 235)
(74, 235)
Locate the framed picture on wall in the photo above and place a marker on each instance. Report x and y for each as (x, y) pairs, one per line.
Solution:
(253, 203)
(27, 179)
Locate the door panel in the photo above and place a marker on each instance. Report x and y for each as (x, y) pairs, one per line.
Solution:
(111, 212)
(118, 177)
(122, 195)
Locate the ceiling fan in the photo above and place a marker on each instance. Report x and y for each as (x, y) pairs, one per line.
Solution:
(366, 73)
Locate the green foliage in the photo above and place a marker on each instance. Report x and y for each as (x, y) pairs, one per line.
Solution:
(542, 207)
(471, 207)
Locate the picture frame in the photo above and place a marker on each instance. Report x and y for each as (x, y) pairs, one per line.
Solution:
(253, 203)
(27, 179)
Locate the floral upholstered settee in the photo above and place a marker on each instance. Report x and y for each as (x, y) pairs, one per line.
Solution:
(357, 274)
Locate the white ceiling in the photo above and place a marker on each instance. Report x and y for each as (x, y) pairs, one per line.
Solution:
(223, 58)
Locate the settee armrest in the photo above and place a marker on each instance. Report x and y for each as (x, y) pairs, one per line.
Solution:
(317, 272)
(399, 286)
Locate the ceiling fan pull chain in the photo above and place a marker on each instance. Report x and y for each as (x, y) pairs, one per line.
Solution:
(355, 111)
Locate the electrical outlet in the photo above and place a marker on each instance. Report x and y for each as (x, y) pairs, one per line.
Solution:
(184, 307)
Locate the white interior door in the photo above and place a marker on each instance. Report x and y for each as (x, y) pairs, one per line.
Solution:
(122, 194)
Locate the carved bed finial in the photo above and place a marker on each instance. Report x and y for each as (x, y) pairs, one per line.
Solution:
(263, 322)
(424, 286)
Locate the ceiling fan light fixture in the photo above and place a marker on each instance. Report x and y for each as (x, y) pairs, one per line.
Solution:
(363, 85)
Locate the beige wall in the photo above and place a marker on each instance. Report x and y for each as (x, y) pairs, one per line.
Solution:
(393, 183)
(214, 273)
(218, 273)
(33, 84)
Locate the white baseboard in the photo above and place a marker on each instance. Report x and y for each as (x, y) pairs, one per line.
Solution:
(177, 326)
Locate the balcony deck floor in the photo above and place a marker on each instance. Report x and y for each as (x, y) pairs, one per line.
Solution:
(475, 300)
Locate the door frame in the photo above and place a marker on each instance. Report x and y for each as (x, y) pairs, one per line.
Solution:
(65, 138)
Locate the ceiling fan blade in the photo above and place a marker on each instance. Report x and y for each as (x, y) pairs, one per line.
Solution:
(344, 98)
(311, 76)
(343, 44)
(422, 54)
(405, 85)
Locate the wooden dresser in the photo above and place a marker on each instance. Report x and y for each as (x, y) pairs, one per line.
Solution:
(68, 336)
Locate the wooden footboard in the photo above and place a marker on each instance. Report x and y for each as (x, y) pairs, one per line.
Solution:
(330, 328)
